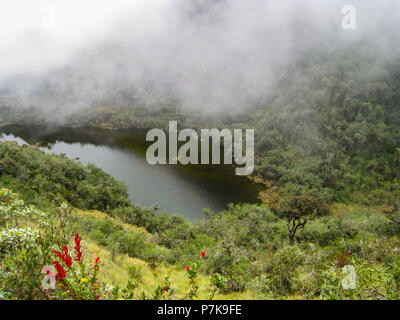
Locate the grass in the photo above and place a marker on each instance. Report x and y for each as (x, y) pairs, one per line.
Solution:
(115, 268)
(101, 215)
(341, 209)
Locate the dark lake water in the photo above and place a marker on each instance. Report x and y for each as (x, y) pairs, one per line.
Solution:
(185, 190)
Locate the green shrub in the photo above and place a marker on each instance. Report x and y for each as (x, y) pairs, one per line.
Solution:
(281, 269)
(60, 179)
(372, 282)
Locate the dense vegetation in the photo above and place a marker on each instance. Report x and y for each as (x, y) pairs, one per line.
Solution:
(329, 129)
(247, 247)
(327, 150)
(58, 179)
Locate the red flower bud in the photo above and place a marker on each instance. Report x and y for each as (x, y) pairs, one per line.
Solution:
(68, 259)
(61, 273)
(97, 262)
(65, 257)
(187, 268)
(203, 254)
(78, 247)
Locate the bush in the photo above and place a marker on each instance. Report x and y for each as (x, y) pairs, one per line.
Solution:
(281, 269)
(372, 282)
(322, 231)
(60, 179)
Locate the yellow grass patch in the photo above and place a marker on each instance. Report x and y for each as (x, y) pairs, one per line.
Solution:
(101, 215)
(115, 271)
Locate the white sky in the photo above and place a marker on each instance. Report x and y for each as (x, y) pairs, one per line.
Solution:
(71, 16)
(34, 33)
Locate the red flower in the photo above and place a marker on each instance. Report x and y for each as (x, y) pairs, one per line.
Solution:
(203, 254)
(187, 268)
(97, 262)
(61, 273)
(68, 259)
(65, 257)
(165, 289)
(60, 255)
(98, 296)
(78, 247)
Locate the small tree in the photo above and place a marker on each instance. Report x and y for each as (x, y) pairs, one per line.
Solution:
(298, 210)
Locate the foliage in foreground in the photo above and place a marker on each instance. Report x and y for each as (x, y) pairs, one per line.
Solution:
(248, 247)
(41, 253)
(32, 268)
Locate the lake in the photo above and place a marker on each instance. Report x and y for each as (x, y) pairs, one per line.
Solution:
(185, 190)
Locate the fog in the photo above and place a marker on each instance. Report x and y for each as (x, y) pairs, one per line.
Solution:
(208, 55)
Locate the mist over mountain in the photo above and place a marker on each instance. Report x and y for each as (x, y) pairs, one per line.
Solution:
(211, 57)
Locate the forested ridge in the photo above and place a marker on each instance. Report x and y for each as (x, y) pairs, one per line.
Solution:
(331, 127)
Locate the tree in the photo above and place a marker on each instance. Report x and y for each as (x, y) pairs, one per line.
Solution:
(297, 210)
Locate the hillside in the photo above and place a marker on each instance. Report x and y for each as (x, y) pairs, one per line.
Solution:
(330, 128)
(246, 248)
